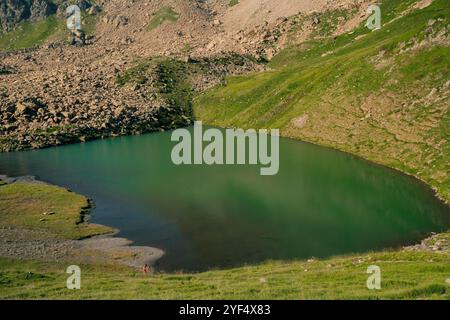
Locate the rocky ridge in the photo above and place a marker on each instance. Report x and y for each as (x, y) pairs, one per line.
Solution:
(12, 12)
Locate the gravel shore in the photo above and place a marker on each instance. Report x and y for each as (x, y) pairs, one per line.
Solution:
(38, 245)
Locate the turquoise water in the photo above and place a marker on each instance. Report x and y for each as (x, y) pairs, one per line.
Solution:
(321, 203)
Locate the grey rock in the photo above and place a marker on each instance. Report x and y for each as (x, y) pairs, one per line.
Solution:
(12, 12)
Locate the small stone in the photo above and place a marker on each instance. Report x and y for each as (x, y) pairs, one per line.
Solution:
(121, 21)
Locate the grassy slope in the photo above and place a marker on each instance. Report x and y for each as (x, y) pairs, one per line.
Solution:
(34, 34)
(367, 93)
(23, 205)
(162, 15)
(404, 274)
(29, 34)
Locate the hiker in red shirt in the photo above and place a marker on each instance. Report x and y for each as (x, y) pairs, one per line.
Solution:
(146, 269)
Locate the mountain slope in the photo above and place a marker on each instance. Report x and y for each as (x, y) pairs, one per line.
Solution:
(13, 12)
(383, 95)
(53, 93)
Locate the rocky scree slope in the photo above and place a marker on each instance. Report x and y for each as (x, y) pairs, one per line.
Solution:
(57, 93)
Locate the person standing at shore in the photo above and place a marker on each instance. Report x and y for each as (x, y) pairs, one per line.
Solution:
(146, 269)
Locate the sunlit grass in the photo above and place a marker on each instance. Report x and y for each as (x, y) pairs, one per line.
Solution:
(30, 34)
(46, 207)
(412, 275)
(330, 79)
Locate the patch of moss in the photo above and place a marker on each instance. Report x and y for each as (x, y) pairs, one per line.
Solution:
(162, 15)
(172, 82)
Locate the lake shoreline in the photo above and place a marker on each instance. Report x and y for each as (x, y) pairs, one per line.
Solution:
(33, 244)
(436, 191)
(426, 188)
(109, 246)
(426, 184)
(403, 270)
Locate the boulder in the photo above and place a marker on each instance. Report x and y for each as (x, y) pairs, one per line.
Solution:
(41, 9)
(82, 4)
(77, 38)
(23, 109)
(28, 108)
(121, 21)
(5, 69)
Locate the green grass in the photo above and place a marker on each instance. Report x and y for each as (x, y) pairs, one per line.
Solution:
(33, 34)
(30, 34)
(23, 205)
(170, 80)
(404, 275)
(162, 15)
(330, 83)
(329, 21)
(360, 91)
(233, 2)
(136, 74)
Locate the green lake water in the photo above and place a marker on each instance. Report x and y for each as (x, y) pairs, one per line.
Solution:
(321, 203)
